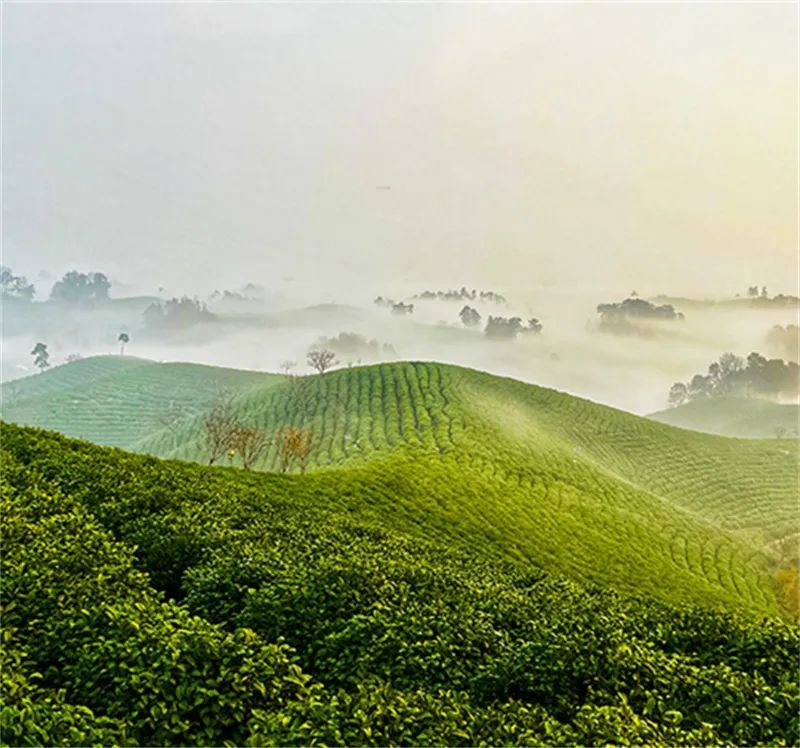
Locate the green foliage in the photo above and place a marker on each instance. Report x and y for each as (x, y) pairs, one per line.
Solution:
(120, 401)
(296, 619)
(512, 470)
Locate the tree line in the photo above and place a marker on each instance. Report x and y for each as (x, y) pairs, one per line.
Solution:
(754, 376)
(462, 294)
(500, 328)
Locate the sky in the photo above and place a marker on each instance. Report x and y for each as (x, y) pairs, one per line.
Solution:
(196, 146)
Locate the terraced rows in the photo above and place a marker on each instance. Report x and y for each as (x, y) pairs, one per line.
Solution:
(114, 400)
(735, 484)
(533, 475)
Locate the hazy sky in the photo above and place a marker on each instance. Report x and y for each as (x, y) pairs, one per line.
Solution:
(204, 145)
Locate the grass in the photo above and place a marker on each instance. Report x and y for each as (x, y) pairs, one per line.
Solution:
(749, 418)
(517, 472)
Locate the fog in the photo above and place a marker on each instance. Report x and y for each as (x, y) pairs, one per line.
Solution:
(561, 154)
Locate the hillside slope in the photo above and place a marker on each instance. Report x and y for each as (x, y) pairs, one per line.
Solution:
(149, 602)
(529, 475)
(119, 400)
(748, 418)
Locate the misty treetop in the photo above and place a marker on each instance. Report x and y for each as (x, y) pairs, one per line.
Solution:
(636, 307)
(507, 328)
(462, 294)
(75, 286)
(41, 356)
(762, 298)
(755, 376)
(784, 341)
(15, 286)
(397, 307)
(401, 308)
(249, 292)
(177, 313)
(469, 317)
(352, 346)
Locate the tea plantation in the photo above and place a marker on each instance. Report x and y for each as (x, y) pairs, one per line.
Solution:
(118, 400)
(150, 602)
(750, 418)
(518, 473)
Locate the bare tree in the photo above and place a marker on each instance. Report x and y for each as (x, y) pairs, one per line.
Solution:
(170, 417)
(295, 444)
(219, 427)
(249, 443)
(321, 360)
(287, 367)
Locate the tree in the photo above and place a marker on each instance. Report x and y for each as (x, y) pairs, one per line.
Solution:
(170, 417)
(287, 367)
(757, 377)
(153, 315)
(534, 326)
(752, 291)
(699, 387)
(101, 285)
(15, 286)
(75, 286)
(321, 360)
(470, 317)
(678, 394)
(123, 338)
(219, 428)
(41, 358)
(249, 443)
(500, 328)
(294, 444)
(177, 313)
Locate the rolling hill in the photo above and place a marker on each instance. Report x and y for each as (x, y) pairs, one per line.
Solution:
(151, 602)
(524, 474)
(119, 400)
(742, 417)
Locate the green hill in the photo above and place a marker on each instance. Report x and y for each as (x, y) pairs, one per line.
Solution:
(119, 400)
(149, 602)
(749, 418)
(522, 473)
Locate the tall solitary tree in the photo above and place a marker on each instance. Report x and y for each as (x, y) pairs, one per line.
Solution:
(41, 358)
(219, 428)
(123, 338)
(321, 360)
